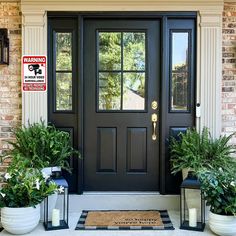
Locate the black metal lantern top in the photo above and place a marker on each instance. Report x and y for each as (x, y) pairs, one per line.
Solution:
(4, 47)
(191, 181)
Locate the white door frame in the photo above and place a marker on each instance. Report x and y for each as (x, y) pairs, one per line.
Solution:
(209, 51)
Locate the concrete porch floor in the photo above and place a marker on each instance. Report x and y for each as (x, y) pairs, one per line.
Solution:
(119, 201)
(174, 215)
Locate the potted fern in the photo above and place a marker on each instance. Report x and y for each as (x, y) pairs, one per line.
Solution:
(43, 146)
(194, 150)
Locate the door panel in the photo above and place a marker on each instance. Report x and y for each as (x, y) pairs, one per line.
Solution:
(121, 78)
(136, 157)
(106, 150)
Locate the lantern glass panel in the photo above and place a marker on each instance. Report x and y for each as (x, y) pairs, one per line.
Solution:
(192, 205)
(58, 217)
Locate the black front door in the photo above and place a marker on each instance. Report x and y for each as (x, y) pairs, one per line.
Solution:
(121, 99)
(109, 76)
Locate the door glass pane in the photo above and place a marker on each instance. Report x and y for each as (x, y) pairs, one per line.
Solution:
(180, 71)
(63, 51)
(63, 91)
(134, 51)
(121, 71)
(109, 51)
(134, 91)
(109, 91)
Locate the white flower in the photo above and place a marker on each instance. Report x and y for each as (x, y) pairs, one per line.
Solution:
(37, 184)
(61, 189)
(7, 176)
(220, 169)
(3, 194)
(232, 183)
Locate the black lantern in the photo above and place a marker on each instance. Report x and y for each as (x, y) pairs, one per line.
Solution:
(192, 204)
(4, 47)
(57, 218)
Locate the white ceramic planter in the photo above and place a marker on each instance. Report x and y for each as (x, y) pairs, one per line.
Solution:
(20, 220)
(222, 225)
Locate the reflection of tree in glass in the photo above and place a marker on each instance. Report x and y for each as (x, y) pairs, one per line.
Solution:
(64, 91)
(63, 79)
(110, 54)
(63, 51)
(109, 60)
(135, 82)
(134, 51)
(179, 86)
(134, 59)
(109, 51)
(109, 85)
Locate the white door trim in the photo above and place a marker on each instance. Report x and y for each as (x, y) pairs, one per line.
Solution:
(209, 55)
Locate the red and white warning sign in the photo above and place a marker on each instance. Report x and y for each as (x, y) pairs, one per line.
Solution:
(34, 73)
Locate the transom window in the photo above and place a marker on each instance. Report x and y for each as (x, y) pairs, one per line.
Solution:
(121, 70)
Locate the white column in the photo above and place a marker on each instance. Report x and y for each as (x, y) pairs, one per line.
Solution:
(210, 63)
(34, 42)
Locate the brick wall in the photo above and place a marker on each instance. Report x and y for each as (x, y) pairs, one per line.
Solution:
(229, 70)
(10, 76)
(10, 92)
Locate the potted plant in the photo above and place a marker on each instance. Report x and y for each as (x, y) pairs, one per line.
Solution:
(43, 146)
(23, 190)
(219, 188)
(194, 150)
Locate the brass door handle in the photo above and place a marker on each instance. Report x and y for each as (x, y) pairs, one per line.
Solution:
(154, 125)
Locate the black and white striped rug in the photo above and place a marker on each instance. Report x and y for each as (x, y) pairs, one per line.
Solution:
(167, 224)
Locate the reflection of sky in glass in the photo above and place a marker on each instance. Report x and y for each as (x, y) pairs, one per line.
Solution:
(179, 48)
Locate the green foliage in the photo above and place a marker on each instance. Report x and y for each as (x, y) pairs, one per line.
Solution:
(219, 188)
(24, 187)
(198, 150)
(42, 146)
(109, 59)
(110, 53)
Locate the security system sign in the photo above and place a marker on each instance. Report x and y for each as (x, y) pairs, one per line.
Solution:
(34, 73)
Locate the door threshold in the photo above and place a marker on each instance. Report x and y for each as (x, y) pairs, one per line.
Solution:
(121, 193)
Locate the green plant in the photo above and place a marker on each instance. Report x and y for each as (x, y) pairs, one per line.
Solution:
(25, 187)
(43, 146)
(219, 188)
(197, 150)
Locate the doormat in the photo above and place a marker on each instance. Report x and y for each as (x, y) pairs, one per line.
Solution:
(125, 220)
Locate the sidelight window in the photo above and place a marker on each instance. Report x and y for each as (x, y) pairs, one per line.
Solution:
(63, 47)
(180, 55)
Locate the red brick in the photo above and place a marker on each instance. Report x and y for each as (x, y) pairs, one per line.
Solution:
(229, 69)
